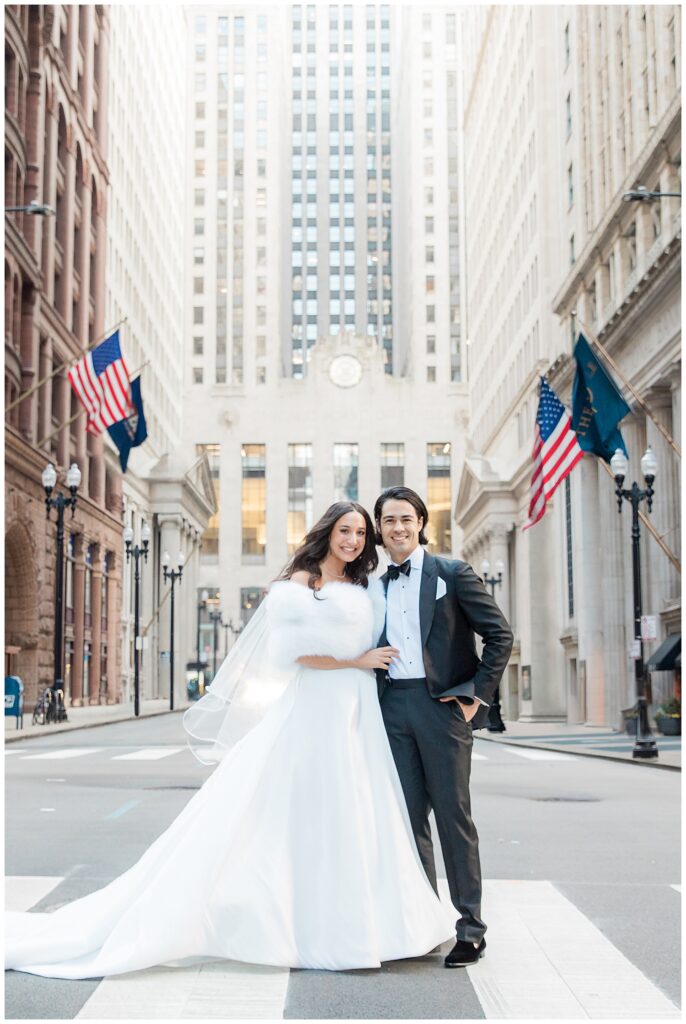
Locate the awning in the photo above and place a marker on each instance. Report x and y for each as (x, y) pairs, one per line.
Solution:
(668, 654)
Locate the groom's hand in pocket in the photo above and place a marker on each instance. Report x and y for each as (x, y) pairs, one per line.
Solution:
(468, 710)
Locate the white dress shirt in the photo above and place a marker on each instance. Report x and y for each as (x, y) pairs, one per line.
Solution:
(402, 620)
(403, 628)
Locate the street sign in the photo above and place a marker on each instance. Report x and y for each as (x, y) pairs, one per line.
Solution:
(165, 656)
(635, 650)
(649, 627)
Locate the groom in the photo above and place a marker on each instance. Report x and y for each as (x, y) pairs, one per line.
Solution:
(435, 690)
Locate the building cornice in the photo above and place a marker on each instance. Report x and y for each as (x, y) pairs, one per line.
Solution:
(619, 213)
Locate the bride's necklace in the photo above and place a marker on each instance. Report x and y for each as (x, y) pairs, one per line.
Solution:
(335, 575)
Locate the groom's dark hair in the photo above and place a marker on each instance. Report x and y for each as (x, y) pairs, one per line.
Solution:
(401, 494)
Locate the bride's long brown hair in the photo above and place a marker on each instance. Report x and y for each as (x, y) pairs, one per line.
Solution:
(315, 547)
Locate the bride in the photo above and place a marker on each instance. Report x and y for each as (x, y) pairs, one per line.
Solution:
(297, 851)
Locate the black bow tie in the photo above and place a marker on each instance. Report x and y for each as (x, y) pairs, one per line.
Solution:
(395, 570)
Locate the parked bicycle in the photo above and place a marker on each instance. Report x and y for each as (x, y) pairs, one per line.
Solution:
(49, 707)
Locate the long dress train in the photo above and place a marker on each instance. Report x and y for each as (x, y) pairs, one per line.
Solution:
(297, 851)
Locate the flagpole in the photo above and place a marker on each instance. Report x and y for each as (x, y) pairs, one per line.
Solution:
(76, 415)
(649, 526)
(38, 384)
(606, 355)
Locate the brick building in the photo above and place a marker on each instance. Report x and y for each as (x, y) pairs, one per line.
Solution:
(55, 132)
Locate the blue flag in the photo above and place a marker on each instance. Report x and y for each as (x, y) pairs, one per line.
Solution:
(597, 405)
(131, 432)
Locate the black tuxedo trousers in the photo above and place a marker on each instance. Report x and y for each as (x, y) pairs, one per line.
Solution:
(431, 743)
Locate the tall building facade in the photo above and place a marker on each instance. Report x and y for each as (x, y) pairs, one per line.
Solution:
(567, 108)
(144, 293)
(316, 367)
(55, 138)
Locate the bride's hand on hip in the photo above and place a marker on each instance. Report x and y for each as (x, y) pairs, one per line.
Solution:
(378, 657)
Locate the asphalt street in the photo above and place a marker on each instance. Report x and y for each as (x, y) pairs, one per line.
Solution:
(593, 845)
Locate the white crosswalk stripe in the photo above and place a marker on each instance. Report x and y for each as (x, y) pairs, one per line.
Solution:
(148, 754)
(537, 755)
(544, 961)
(62, 755)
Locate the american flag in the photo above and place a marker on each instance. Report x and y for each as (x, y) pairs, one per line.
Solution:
(101, 383)
(556, 451)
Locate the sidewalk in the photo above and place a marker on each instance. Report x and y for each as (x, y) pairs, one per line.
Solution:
(85, 717)
(585, 740)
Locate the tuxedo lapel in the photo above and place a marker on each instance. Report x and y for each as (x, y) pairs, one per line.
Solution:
(383, 639)
(427, 595)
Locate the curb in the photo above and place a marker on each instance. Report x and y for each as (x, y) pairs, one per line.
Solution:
(581, 752)
(19, 734)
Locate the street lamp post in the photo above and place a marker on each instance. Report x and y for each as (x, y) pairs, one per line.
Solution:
(135, 553)
(641, 194)
(60, 503)
(171, 576)
(495, 719)
(645, 745)
(216, 617)
(42, 209)
(202, 603)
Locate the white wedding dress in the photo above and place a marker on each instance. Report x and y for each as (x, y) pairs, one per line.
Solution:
(296, 852)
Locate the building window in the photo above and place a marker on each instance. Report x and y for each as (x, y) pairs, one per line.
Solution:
(438, 501)
(299, 493)
(345, 462)
(569, 114)
(567, 45)
(209, 542)
(254, 502)
(431, 374)
(197, 374)
(572, 254)
(392, 465)
(570, 185)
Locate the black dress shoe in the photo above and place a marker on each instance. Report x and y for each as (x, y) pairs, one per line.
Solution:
(464, 954)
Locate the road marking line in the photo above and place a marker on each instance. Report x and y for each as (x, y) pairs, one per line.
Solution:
(545, 960)
(148, 754)
(121, 810)
(677, 888)
(61, 755)
(479, 757)
(213, 990)
(538, 755)
(23, 891)
(20, 751)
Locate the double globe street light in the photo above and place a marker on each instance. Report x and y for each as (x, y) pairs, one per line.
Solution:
(171, 576)
(136, 553)
(645, 746)
(49, 478)
(495, 719)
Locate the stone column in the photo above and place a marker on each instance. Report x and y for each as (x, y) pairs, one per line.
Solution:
(45, 404)
(663, 582)
(63, 389)
(79, 609)
(96, 624)
(83, 259)
(29, 347)
(67, 277)
(114, 598)
(100, 256)
(589, 583)
(33, 226)
(50, 197)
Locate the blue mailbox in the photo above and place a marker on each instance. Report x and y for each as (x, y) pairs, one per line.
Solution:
(14, 699)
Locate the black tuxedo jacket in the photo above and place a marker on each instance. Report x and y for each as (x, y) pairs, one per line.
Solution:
(448, 626)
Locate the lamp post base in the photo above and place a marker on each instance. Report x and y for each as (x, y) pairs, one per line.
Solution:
(645, 749)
